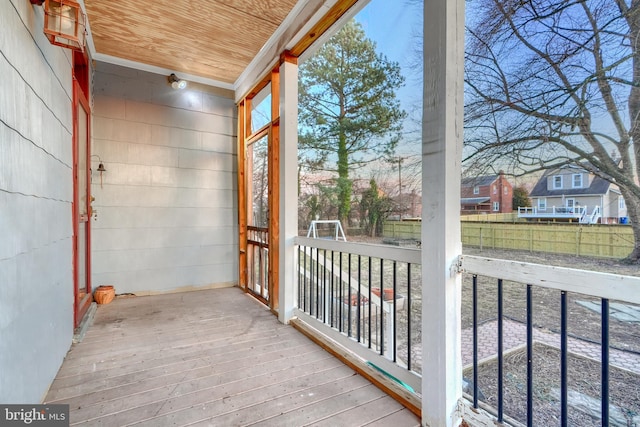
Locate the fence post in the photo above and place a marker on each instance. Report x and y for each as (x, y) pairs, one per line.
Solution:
(530, 239)
(493, 237)
(611, 244)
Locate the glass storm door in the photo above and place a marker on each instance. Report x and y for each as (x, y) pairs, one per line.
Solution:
(258, 221)
(81, 206)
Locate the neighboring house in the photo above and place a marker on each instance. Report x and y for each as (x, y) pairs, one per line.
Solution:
(486, 194)
(572, 193)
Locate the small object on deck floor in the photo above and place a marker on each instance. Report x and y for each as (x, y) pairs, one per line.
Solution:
(104, 294)
(387, 374)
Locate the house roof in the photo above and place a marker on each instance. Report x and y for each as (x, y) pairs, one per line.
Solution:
(598, 186)
(474, 200)
(478, 180)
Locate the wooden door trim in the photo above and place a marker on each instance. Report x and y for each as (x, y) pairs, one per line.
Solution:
(81, 307)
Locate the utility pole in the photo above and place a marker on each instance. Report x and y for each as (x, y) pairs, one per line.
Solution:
(400, 159)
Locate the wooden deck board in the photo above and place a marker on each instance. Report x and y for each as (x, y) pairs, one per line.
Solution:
(141, 370)
(363, 414)
(399, 418)
(188, 393)
(238, 406)
(213, 357)
(335, 403)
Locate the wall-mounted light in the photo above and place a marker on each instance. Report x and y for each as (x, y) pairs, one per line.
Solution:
(176, 82)
(100, 169)
(64, 23)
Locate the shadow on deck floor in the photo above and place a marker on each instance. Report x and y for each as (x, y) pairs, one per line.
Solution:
(214, 357)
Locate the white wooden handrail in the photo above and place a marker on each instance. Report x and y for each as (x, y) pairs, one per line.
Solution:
(593, 283)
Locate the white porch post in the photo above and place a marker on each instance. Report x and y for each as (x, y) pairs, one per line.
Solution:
(288, 186)
(442, 128)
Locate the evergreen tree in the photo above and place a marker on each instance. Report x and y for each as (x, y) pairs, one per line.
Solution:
(349, 112)
(521, 198)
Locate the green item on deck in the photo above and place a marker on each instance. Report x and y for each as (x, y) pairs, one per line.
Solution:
(402, 383)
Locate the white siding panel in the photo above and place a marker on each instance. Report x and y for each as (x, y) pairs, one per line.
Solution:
(217, 105)
(36, 287)
(130, 196)
(115, 239)
(107, 106)
(219, 143)
(144, 217)
(161, 279)
(167, 218)
(176, 137)
(200, 159)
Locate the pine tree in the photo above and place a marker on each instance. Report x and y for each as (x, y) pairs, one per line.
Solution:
(349, 112)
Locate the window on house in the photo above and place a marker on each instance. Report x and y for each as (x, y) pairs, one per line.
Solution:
(570, 203)
(506, 191)
(496, 206)
(621, 203)
(577, 180)
(495, 189)
(557, 182)
(476, 190)
(542, 204)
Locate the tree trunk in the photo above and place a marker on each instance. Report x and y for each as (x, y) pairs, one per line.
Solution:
(631, 199)
(344, 183)
(633, 212)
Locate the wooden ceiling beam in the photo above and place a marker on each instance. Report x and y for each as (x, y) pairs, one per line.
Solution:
(322, 26)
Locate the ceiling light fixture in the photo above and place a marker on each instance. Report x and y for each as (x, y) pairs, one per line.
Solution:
(176, 82)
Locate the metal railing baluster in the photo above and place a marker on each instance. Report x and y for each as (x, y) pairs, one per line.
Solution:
(409, 316)
(349, 327)
(475, 339)
(529, 357)
(605, 362)
(564, 414)
(382, 306)
(394, 329)
(359, 297)
(370, 305)
(500, 354)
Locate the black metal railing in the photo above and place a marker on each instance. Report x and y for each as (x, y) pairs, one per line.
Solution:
(364, 292)
(568, 335)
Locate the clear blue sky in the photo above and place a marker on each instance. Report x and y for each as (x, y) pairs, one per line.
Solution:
(393, 25)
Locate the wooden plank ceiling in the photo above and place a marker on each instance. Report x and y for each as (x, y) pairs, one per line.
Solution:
(214, 39)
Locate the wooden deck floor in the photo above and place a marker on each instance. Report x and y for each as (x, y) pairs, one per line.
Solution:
(214, 358)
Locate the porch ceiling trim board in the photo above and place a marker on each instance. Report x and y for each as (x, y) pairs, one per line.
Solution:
(198, 38)
(206, 45)
(160, 70)
(307, 31)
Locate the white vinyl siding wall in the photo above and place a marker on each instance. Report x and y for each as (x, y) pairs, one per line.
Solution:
(36, 191)
(167, 216)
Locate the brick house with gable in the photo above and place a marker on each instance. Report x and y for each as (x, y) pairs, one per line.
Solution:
(486, 194)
